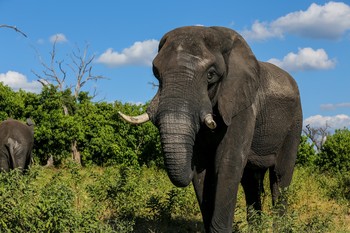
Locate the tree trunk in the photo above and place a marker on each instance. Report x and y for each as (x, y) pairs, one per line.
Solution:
(50, 162)
(75, 153)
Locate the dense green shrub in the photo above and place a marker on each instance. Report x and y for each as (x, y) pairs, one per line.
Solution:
(335, 153)
(11, 105)
(141, 199)
(337, 186)
(101, 136)
(52, 132)
(306, 153)
(45, 201)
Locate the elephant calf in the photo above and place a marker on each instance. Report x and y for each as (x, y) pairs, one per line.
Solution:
(224, 118)
(16, 144)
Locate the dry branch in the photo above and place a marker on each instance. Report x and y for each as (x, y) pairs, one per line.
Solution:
(14, 28)
(317, 135)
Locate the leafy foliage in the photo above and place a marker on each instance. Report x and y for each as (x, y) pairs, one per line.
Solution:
(306, 152)
(335, 153)
(141, 199)
(43, 201)
(101, 136)
(11, 106)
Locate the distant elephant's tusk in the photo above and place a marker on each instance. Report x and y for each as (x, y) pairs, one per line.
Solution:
(135, 119)
(209, 121)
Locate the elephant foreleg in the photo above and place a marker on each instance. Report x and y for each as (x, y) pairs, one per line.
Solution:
(217, 196)
(281, 173)
(231, 158)
(204, 188)
(252, 182)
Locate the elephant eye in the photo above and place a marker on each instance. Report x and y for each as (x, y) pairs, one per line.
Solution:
(212, 76)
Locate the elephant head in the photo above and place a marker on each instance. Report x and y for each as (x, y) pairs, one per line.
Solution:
(206, 75)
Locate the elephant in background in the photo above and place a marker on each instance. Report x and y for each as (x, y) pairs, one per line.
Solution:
(224, 118)
(16, 144)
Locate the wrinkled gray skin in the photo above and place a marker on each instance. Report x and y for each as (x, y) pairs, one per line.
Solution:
(16, 144)
(256, 106)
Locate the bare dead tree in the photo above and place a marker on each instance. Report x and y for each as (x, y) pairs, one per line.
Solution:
(55, 74)
(82, 68)
(317, 135)
(12, 27)
(50, 73)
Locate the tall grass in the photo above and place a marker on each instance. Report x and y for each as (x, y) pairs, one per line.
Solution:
(127, 199)
(310, 207)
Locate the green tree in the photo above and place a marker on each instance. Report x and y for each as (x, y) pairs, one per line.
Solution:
(55, 73)
(11, 103)
(306, 152)
(102, 137)
(52, 129)
(142, 141)
(335, 153)
(96, 133)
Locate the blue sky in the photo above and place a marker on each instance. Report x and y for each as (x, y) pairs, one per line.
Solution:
(310, 39)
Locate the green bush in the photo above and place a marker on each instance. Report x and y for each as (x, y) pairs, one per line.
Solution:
(141, 199)
(101, 136)
(306, 153)
(44, 201)
(118, 189)
(337, 186)
(335, 153)
(173, 204)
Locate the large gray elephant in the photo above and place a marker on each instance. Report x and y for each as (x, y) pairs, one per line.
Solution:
(224, 118)
(16, 144)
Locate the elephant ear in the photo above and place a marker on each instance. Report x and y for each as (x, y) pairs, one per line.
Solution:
(238, 89)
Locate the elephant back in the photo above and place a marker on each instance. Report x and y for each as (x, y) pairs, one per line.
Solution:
(16, 130)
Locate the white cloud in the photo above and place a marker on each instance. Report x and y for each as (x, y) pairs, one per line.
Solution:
(58, 38)
(18, 81)
(328, 21)
(261, 31)
(329, 107)
(335, 122)
(305, 59)
(140, 53)
(40, 41)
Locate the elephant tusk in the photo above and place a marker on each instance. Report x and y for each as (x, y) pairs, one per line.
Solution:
(135, 119)
(209, 121)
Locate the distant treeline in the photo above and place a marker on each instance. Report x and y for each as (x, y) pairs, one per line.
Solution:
(101, 137)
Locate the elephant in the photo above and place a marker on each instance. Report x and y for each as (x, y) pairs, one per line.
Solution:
(16, 144)
(224, 119)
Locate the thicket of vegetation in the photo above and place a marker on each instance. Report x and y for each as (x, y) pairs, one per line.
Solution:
(122, 186)
(129, 199)
(102, 137)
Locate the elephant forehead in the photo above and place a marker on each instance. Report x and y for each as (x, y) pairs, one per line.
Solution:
(189, 59)
(190, 45)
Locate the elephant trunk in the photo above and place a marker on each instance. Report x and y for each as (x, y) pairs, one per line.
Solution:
(177, 137)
